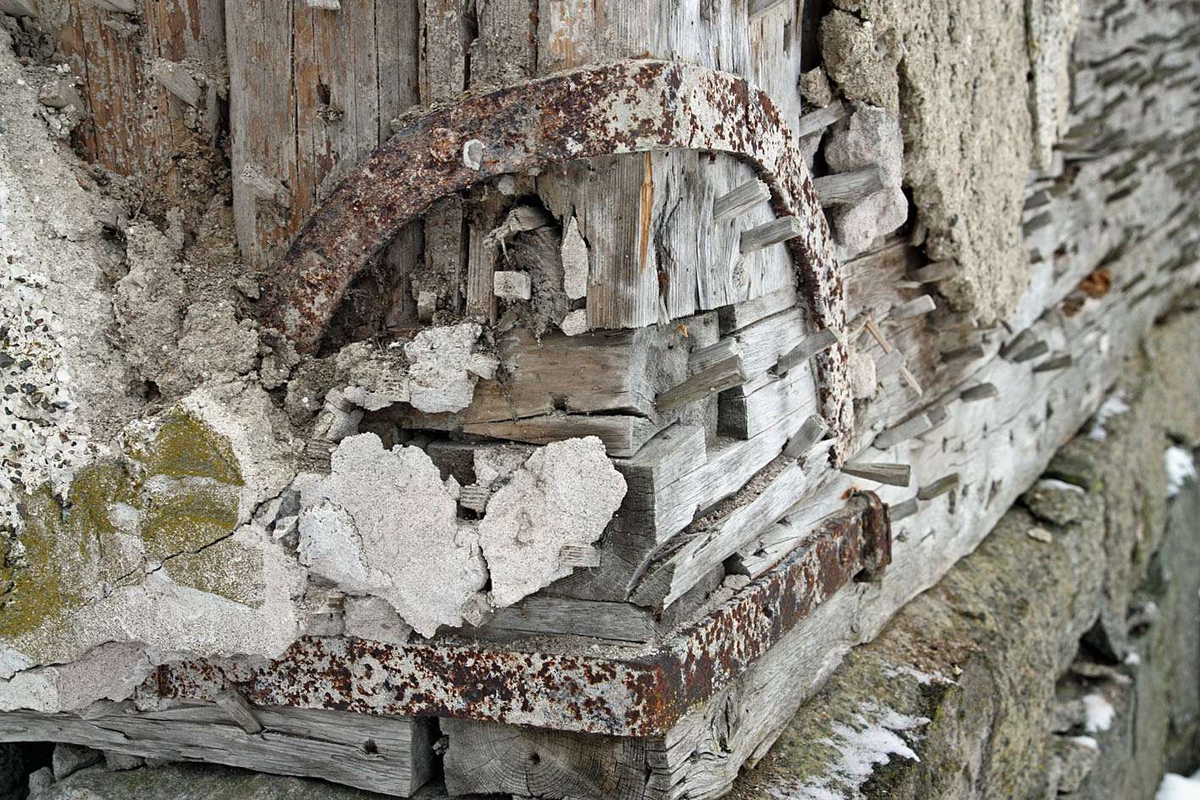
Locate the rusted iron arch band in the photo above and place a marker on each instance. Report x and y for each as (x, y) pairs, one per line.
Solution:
(622, 107)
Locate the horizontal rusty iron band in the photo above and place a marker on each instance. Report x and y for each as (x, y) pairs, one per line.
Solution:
(624, 107)
(639, 695)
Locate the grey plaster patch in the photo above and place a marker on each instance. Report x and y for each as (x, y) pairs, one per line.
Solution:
(383, 522)
(566, 493)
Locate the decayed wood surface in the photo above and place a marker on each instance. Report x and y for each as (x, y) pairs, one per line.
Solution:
(389, 755)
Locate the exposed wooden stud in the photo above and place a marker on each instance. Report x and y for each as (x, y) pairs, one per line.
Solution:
(777, 230)
(904, 431)
(937, 271)
(760, 7)
(1035, 350)
(809, 434)
(574, 555)
(1060, 361)
(903, 510)
(938, 487)
(725, 374)
(981, 391)
(740, 199)
(914, 308)
(240, 711)
(819, 342)
(890, 474)
(820, 119)
(848, 188)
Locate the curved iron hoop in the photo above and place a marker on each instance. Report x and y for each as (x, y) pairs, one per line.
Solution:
(622, 107)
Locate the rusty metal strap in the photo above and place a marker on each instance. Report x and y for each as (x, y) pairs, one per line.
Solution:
(638, 695)
(623, 107)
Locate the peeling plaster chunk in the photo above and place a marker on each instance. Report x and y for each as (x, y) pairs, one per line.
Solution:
(565, 494)
(512, 285)
(383, 522)
(574, 261)
(868, 137)
(374, 619)
(575, 323)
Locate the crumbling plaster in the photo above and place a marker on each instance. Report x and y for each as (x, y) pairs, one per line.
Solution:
(956, 74)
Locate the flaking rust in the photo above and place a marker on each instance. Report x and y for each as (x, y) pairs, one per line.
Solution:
(643, 694)
(623, 107)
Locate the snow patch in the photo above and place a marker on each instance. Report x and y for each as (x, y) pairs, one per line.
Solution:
(1181, 465)
(1114, 405)
(872, 739)
(1178, 787)
(1100, 713)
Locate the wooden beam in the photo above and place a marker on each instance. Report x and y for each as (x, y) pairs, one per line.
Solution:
(848, 188)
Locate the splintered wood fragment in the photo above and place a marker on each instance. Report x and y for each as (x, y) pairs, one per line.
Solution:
(848, 188)
(512, 285)
(877, 334)
(904, 431)
(911, 380)
(820, 119)
(903, 510)
(474, 497)
(982, 391)
(809, 434)
(725, 374)
(1060, 361)
(760, 7)
(890, 474)
(769, 233)
(576, 555)
(240, 711)
(914, 308)
(937, 271)
(177, 80)
(819, 342)
(938, 487)
(740, 199)
(971, 352)
(1035, 350)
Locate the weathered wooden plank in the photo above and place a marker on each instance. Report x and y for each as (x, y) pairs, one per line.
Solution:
(564, 616)
(747, 410)
(848, 188)
(622, 435)
(390, 755)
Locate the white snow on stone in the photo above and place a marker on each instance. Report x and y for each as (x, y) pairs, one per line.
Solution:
(1054, 484)
(870, 741)
(1100, 713)
(1085, 741)
(1178, 787)
(1133, 659)
(1114, 405)
(1181, 466)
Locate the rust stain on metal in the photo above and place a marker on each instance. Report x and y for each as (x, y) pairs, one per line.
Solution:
(641, 695)
(624, 107)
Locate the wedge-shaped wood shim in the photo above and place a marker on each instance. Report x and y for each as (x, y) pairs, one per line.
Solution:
(904, 431)
(769, 233)
(938, 487)
(1035, 350)
(740, 199)
(848, 188)
(724, 374)
(937, 271)
(644, 694)
(890, 474)
(980, 391)
(806, 438)
(390, 755)
(820, 119)
(819, 342)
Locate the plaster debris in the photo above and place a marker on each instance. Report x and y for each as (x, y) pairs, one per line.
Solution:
(409, 549)
(67, 759)
(1181, 467)
(1052, 25)
(1100, 713)
(575, 323)
(512, 285)
(964, 99)
(815, 88)
(863, 380)
(566, 493)
(868, 137)
(434, 372)
(574, 261)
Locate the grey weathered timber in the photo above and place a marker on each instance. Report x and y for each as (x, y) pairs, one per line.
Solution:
(801, 353)
(937, 271)
(820, 119)
(981, 391)
(938, 488)
(905, 430)
(389, 755)
(724, 374)
(806, 438)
